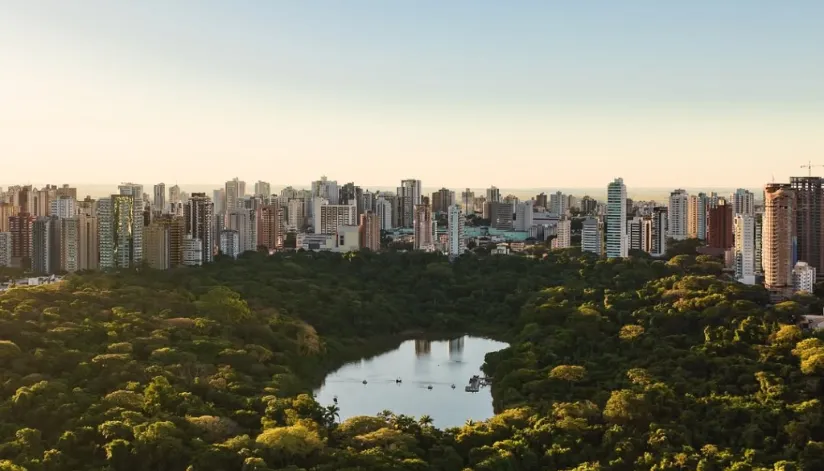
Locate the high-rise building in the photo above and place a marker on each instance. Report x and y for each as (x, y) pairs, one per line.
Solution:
(233, 194)
(197, 215)
(174, 195)
(493, 195)
(563, 234)
(352, 195)
(408, 196)
(524, 216)
(558, 204)
(156, 245)
(572, 202)
(809, 210)
(87, 241)
(678, 212)
(616, 219)
(778, 253)
(241, 221)
(45, 259)
(263, 189)
(326, 189)
(159, 199)
(640, 234)
(296, 214)
(468, 201)
(327, 217)
(659, 231)
(5, 249)
(743, 202)
(804, 277)
(759, 242)
(369, 231)
(136, 192)
(66, 191)
(118, 224)
(383, 208)
(69, 244)
(192, 250)
(697, 216)
(423, 226)
(63, 207)
(455, 230)
(541, 201)
(500, 215)
(720, 227)
(442, 200)
(588, 205)
(21, 226)
(368, 201)
(7, 210)
(230, 242)
(744, 249)
(591, 238)
(271, 232)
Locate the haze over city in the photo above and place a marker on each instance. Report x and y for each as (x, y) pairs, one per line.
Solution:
(459, 94)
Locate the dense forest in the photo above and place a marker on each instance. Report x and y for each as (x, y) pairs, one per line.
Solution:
(620, 365)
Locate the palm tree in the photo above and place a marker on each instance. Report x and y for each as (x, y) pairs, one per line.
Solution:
(331, 414)
(425, 420)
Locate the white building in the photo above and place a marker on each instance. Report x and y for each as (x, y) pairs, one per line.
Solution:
(234, 190)
(263, 189)
(744, 248)
(558, 204)
(64, 207)
(192, 251)
(616, 219)
(493, 195)
(591, 238)
(803, 277)
(455, 228)
(640, 234)
(659, 231)
(105, 237)
(174, 195)
(159, 201)
(326, 189)
(328, 217)
(697, 216)
(743, 202)
(409, 196)
(563, 232)
(383, 208)
(230, 243)
(296, 214)
(345, 239)
(524, 216)
(5, 249)
(678, 211)
(241, 221)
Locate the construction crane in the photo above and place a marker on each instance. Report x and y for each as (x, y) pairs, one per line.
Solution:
(809, 168)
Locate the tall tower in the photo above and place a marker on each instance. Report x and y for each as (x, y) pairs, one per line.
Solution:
(271, 231)
(778, 239)
(423, 227)
(136, 192)
(370, 231)
(409, 196)
(159, 201)
(744, 249)
(233, 194)
(720, 227)
(616, 219)
(455, 226)
(809, 210)
(743, 202)
(677, 211)
(659, 231)
(197, 214)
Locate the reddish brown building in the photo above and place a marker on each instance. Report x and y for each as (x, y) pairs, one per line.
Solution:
(720, 227)
(21, 227)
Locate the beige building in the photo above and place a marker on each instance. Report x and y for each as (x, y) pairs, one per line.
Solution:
(156, 245)
(778, 238)
(270, 227)
(87, 242)
(423, 227)
(69, 244)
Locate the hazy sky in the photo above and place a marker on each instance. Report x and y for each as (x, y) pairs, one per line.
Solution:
(458, 93)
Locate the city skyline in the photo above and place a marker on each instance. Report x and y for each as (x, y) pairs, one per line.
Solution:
(664, 95)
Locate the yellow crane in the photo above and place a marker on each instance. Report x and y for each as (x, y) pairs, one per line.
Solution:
(809, 168)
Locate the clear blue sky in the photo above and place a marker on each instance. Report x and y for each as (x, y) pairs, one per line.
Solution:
(456, 93)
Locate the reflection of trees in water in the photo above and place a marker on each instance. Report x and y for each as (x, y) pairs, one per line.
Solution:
(422, 347)
(456, 347)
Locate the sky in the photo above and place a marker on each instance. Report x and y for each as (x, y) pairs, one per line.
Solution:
(464, 93)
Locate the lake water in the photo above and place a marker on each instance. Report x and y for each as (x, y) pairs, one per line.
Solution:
(419, 364)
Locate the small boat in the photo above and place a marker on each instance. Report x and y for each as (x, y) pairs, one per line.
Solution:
(364, 381)
(453, 386)
(429, 387)
(398, 381)
(335, 399)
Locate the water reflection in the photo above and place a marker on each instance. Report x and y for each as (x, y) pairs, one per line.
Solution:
(419, 364)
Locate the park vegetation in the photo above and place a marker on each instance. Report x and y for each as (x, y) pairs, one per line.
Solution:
(619, 365)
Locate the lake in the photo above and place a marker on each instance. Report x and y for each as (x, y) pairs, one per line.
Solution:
(419, 364)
